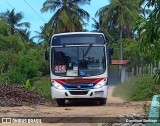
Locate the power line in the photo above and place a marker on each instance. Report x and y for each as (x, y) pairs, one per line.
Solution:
(34, 11)
(17, 30)
(9, 4)
(23, 17)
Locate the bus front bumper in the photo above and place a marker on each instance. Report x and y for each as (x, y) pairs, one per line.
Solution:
(69, 94)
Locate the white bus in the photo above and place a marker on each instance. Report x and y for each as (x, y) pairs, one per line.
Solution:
(79, 67)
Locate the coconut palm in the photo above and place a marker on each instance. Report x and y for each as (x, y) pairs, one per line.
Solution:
(96, 25)
(68, 15)
(14, 20)
(120, 14)
(44, 35)
(25, 36)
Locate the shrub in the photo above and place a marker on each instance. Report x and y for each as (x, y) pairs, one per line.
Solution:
(27, 84)
(42, 85)
(142, 88)
(27, 67)
(138, 89)
(125, 89)
(16, 77)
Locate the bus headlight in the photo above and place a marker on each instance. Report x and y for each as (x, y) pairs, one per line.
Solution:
(100, 84)
(58, 86)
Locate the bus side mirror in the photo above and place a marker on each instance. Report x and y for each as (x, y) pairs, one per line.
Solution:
(110, 53)
(46, 55)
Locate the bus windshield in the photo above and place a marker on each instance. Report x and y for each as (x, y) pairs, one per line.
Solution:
(82, 61)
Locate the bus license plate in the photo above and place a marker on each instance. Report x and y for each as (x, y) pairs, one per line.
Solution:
(99, 92)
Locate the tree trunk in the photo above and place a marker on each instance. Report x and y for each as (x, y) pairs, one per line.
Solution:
(121, 52)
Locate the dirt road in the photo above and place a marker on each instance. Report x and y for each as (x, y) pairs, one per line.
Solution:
(114, 107)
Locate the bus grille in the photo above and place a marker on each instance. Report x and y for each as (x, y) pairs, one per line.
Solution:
(75, 86)
(78, 92)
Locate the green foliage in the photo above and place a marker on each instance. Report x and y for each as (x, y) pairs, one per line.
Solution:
(42, 86)
(13, 20)
(138, 89)
(16, 77)
(116, 51)
(124, 90)
(4, 29)
(4, 78)
(44, 36)
(10, 46)
(19, 61)
(44, 67)
(157, 77)
(149, 31)
(11, 43)
(27, 84)
(132, 51)
(68, 16)
(27, 66)
(142, 89)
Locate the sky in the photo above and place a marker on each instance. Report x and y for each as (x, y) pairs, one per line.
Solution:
(36, 20)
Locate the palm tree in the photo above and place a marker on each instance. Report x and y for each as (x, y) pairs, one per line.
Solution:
(13, 20)
(120, 14)
(44, 36)
(68, 15)
(25, 35)
(96, 25)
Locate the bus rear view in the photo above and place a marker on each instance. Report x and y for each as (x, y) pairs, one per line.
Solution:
(79, 67)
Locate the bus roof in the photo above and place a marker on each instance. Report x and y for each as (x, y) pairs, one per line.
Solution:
(77, 38)
(71, 33)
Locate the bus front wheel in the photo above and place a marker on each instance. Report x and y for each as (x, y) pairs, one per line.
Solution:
(60, 102)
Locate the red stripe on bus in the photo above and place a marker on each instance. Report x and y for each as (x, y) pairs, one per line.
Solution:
(78, 81)
(97, 80)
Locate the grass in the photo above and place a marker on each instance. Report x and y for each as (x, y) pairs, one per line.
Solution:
(43, 86)
(138, 89)
(124, 90)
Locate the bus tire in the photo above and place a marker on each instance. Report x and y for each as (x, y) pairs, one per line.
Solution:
(60, 102)
(103, 101)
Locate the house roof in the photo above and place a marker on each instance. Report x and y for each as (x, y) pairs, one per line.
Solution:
(120, 62)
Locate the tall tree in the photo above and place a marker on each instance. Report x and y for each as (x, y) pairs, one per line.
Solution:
(44, 36)
(14, 20)
(120, 14)
(149, 31)
(96, 25)
(25, 36)
(68, 15)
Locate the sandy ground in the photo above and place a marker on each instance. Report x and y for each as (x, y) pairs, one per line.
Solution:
(114, 107)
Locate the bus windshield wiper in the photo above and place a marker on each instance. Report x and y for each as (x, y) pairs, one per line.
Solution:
(88, 49)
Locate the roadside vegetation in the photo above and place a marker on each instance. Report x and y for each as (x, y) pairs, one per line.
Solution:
(42, 86)
(138, 89)
(131, 30)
